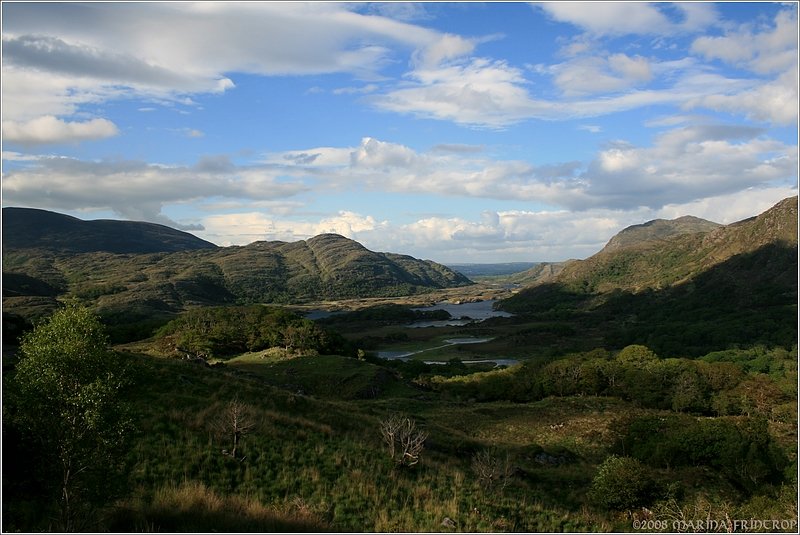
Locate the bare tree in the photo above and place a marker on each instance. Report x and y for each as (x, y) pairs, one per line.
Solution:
(235, 422)
(404, 440)
(492, 469)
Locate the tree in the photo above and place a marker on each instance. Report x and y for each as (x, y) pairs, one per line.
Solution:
(68, 387)
(637, 354)
(236, 422)
(492, 469)
(404, 441)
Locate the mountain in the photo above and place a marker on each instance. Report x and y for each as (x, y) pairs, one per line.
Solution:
(492, 270)
(658, 230)
(663, 253)
(124, 284)
(29, 228)
(732, 284)
(538, 274)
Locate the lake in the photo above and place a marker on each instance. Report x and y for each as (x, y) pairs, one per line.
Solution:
(404, 355)
(462, 313)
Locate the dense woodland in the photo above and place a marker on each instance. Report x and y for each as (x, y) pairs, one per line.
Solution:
(655, 390)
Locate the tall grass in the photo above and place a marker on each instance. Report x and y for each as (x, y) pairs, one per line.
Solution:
(193, 507)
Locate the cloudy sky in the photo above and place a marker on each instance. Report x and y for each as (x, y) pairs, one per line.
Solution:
(458, 132)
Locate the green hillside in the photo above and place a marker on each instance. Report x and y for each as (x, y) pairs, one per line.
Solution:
(684, 294)
(130, 288)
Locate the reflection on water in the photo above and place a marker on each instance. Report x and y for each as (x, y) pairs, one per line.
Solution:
(462, 313)
(405, 355)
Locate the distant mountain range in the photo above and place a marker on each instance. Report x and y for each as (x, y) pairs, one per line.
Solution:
(130, 268)
(491, 269)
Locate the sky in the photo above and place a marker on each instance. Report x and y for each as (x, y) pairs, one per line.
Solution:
(456, 132)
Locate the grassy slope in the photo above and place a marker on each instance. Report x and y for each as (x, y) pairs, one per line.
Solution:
(316, 462)
(327, 455)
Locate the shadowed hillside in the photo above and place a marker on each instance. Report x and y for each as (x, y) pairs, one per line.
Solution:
(28, 228)
(735, 284)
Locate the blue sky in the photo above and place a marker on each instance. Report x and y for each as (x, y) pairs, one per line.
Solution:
(458, 132)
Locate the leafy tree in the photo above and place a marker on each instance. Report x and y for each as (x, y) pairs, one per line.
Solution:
(67, 390)
(638, 354)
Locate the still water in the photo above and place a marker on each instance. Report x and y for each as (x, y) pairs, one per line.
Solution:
(463, 313)
(404, 355)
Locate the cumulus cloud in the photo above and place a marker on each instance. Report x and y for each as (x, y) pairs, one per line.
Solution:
(595, 74)
(545, 235)
(684, 163)
(476, 92)
(771, 102)
(49, 129)
(247, 227)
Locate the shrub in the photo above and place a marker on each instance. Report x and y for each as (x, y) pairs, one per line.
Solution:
(621, 483)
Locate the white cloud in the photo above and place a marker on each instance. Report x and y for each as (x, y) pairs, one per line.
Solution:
(763, 50)
(475, 92)
(684, 163)
(492, 236)
(59, 57)
(772, 102)
(595, 74)
(49, 130)
(362, 90)
(137, 190)
(611, 18)
(244, 228)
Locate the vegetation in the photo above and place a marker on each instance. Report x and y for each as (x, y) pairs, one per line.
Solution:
(64, 405)
(225, 331)
(658, 407)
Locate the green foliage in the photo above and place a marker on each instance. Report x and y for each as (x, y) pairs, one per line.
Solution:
(622, 483)
(385, 315)
(225, 331)
(741, 450)
(67, 404)
(636, 354)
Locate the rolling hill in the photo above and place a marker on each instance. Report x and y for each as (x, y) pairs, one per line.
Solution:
(129, 271)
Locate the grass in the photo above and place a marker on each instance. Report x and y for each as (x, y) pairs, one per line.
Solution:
(326, 376)
(323, 454)
(314, 459)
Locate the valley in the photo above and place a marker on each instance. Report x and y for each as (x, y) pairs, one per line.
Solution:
(654, 381)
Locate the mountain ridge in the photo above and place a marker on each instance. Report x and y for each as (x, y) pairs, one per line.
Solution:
(34, 228)
(157, 282)
(658, 229)
(654, 264)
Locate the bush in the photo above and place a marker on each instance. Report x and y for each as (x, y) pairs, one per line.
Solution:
(622, 483)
